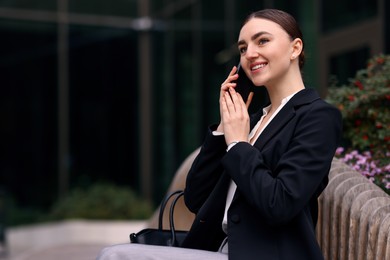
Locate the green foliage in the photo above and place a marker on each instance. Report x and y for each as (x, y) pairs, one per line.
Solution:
(365, 106)
(101, 201)
(98, 202)
(15, 215)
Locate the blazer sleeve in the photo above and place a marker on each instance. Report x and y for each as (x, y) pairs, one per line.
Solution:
(205, 171)
(280, 193)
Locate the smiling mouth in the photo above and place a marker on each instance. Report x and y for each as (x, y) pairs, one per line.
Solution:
(258, 66)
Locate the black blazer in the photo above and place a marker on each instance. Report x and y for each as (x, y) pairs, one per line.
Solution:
(274, 210)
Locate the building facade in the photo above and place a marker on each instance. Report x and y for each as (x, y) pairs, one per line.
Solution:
(122, 91)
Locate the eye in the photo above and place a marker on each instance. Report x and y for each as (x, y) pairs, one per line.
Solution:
(263, 41)
(242, 50)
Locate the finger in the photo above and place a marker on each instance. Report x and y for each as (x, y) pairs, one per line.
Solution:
(232, 77)
(226, 85)
(240, 102)
(233, 71)
(234, 95)
(244, 107)
(229, 82)
(229, 102)
(249, 100)
(224, 109)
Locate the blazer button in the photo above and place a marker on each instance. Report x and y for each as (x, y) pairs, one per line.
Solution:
(235, 219)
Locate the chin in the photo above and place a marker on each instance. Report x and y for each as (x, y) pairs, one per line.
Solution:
(259, 83)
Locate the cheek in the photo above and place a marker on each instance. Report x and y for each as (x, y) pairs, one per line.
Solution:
(242, 60)
(281, 56)
(281, 64)
(282, 50)
(244, 65)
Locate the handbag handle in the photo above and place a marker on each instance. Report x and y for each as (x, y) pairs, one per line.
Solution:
(178, 194)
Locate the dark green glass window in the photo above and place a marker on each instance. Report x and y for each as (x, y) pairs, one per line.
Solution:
(47, 5)
(344, 66)
(336, 14)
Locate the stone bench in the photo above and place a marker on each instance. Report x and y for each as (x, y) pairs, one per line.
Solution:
(354, 214)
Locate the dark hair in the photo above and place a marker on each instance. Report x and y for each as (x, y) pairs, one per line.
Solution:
(286, 21)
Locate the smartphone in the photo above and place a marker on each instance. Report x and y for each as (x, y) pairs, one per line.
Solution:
(244, 84)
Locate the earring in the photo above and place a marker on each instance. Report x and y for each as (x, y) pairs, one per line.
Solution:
(293, 57)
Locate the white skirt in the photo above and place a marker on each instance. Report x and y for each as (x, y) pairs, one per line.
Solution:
(148, 252)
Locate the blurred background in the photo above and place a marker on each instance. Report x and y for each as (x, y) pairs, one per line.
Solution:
(121, 91)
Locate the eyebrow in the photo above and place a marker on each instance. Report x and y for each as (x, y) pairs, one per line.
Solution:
(254, 37)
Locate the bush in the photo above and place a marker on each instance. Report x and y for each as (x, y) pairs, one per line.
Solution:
(14, 215)
(101, 201)
(365, 106)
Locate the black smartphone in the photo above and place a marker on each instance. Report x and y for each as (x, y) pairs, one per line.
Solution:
(244, 84)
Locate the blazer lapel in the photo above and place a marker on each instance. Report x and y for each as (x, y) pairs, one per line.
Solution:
(285, 115)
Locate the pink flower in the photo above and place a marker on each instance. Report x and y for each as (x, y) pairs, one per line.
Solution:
(339, 150)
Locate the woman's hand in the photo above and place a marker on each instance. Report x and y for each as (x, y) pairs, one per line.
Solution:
(234, 113)
(229, 82)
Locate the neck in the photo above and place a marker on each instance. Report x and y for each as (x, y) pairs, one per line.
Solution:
(285, 87)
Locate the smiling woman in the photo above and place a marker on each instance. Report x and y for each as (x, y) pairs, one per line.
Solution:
(288, 24)
(267, 53)
(255, 182)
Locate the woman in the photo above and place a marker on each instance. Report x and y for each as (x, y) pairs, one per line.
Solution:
(255, 183)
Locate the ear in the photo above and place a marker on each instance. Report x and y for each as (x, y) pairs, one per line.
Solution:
(297, 46)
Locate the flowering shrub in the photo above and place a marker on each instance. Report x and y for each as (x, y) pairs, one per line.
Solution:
(365, 106)
(374, 170)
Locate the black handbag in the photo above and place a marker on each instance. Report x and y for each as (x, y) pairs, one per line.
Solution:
(160, 236)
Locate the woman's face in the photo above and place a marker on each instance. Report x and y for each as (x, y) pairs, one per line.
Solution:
(266, 51)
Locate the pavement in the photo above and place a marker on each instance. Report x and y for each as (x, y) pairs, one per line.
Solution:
(65, 252)
(75, 240)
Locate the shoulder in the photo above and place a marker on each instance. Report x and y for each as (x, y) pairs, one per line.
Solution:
(309, 106)
(311, 99)
(304, 97)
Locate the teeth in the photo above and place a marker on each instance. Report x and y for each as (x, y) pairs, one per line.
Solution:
(258, 66)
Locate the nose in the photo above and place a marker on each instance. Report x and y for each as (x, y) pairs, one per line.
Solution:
(251, 52)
